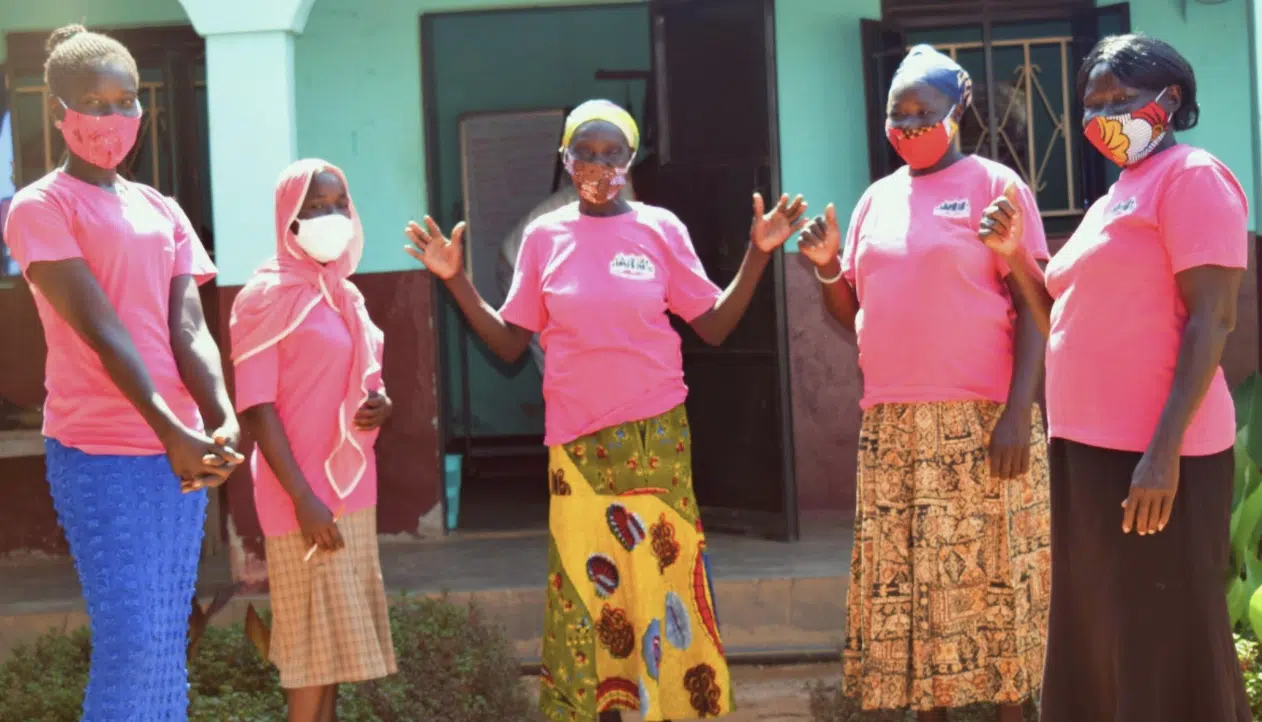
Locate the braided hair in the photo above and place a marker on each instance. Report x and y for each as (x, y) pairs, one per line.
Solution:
(74, 52)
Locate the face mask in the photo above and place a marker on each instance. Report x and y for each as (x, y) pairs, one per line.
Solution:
(922, 147)
(102, 140)
(326, 238)
(597, 183)
(1129, 138)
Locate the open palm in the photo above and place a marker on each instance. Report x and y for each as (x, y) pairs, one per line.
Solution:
(770, 230)
(442, 256)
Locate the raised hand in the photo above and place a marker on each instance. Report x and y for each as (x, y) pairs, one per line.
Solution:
(1002, 225)
(770, 230)
(821, 239)
(443, 257)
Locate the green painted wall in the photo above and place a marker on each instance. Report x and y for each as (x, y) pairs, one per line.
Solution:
(823, 130)
(1216, 41)
(23, 15)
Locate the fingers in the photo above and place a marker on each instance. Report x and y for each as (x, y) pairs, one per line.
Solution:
(795, 209)
(759, 206)
(432, 230)
(830, 217)
(1167, 510)
(1023, 462)
(331, 538)
(457, 234)
(1129, 507)
(1011, 194)
(418, 235)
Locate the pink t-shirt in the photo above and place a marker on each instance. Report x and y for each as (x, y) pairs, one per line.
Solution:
(1118, 319)
(597, 290)
(316, 358)
(134, 242)
(935, 318)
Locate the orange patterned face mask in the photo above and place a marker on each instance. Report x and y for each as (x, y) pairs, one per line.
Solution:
(1128, 138)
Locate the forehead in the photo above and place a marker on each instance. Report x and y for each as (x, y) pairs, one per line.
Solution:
(107, 76)
(599, 133)
(916, 91)
(325, 184)
(1102, 79)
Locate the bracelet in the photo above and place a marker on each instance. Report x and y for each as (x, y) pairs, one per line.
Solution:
(829, 281)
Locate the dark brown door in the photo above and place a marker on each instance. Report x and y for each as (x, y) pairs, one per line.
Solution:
(1090, 25)
(884, 47)
(716, 138)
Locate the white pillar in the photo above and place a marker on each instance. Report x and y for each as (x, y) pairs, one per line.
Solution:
(251, 113)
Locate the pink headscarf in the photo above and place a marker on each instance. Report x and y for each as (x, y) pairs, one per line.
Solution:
(281, 293)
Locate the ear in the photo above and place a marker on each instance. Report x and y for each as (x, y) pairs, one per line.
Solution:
(1173, 99)
(55, 110)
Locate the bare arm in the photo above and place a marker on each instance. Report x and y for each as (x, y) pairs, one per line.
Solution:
(198, 360)
(1209, 294)
(506, 340)
(839, 298)
(715, 325)
(265, 427)
(1029, 347)
(1028, 285)
(75, 295)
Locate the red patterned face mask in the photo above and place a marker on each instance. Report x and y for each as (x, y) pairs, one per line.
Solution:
(920, 148)
(1128, 138)
(597, 183)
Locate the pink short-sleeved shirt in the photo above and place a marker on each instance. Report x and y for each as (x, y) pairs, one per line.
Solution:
(597, 290)
(936, 320)
(316, 358)
(135, 242)
(1118, 318)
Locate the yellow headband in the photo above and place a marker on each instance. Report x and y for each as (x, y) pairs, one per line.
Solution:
(606, 111)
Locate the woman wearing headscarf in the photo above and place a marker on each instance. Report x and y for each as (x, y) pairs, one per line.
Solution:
(309, 390)
(1138, 304)
(631, 621)
(950, 572)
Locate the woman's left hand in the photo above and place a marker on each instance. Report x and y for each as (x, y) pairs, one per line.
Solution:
(1009, 450)
(771, 229)
(374, 412)
(1153, 486)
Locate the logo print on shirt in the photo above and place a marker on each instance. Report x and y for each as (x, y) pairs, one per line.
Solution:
(1121, 208)
(953, 209)
(633, 267)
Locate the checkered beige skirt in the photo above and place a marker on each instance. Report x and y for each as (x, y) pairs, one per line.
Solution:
(330, 618)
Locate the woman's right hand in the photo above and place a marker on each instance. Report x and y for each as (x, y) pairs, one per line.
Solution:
(821, 241)
(318, 526)
(443, 257)
(1002, 225)
(198, 460)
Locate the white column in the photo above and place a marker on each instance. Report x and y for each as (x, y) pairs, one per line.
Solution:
(253, 133)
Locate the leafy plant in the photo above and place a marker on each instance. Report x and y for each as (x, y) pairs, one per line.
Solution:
(1244, 577)
(454, 666)
(1251, 664)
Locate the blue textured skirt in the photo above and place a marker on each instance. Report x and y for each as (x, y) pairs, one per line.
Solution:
(136, 541)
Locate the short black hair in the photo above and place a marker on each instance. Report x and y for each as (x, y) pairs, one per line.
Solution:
(74, 51)
(1146, 63)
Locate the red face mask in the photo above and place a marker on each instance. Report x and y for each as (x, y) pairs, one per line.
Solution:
(920, 148)
(102, 140)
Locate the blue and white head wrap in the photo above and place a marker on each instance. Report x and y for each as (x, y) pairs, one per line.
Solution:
(926, 64)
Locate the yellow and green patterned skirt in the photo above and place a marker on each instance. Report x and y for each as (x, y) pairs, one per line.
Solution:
(631, 623)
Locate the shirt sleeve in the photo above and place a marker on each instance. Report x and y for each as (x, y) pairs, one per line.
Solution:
(689, 291)
(37, 230)
(257, 379)
(524, 305)
(1035, 241)
(850, 241)
(191, 258)
(1204, 219)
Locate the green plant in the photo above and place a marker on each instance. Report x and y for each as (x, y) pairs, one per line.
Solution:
(1251, 664)
(454, 666)
(1244, 576)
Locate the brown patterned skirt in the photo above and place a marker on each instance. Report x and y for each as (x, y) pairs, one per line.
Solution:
(330, 619)
(950, 577)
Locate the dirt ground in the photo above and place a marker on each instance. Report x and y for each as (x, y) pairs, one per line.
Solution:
(772, 694)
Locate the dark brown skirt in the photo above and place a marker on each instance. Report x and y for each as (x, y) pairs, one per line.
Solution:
(1139, 630)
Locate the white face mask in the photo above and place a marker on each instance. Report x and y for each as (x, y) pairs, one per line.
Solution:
(325, 238)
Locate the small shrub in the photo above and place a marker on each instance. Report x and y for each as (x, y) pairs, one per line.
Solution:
(1251, 664)
(454, 666)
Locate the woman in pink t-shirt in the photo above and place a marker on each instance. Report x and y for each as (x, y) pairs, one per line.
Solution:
(1138, 305)
(949, 577)
(132, 373)
(630, 622)
(308, 387)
